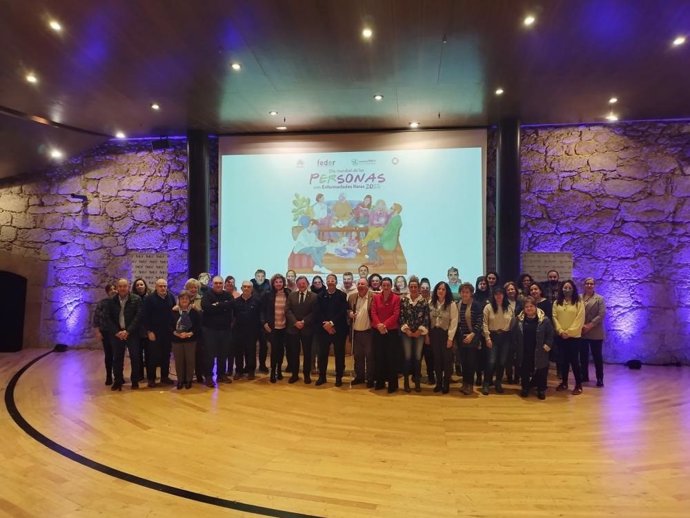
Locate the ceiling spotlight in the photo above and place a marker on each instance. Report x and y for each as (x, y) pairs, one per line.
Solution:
(378, 97)
(120, 134)
(55, 25)
(281, 128)
(414, 124)
(56, 154)
(155, 106)
(273, 113)
(678, 41)
(31, 78)
(236, 66)
(613, 100)
(499, 91)
(612, 117)
(367, 33)
(529, 20)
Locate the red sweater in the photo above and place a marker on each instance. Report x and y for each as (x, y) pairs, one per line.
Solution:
(386, 313)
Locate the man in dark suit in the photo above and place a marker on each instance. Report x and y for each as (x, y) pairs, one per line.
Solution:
(330, 323)
(124, 313)
(299, 312)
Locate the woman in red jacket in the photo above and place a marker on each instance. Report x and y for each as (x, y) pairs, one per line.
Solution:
(385, 313)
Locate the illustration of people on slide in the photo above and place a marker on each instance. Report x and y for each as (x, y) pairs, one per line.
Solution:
(351, 232)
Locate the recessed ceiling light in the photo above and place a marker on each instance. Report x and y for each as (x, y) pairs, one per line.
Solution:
(529, 20)
(367, 33)
(155, 106)
(55, 25)
(612, 117)
(236, 66)
(31, 78)
(378, 97)
(678, 41)
(414, 124)
(56, 154)
(613, 100)
(273, 113)
(281, 128)
(499, 91)
(120, 134)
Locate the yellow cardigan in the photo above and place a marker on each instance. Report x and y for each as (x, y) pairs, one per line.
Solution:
(569, 318)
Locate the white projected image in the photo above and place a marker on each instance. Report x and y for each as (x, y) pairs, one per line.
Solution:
(402, 212)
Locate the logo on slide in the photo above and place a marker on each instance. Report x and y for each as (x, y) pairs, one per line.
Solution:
(300, 163)
(395, 160)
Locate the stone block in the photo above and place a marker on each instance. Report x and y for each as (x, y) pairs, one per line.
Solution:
(5, 217)
(662, 163)
(614, 247)
(146, 240)
(682, 214)
(680, 186)
(118, 251)
(13, 202)
(37, 235)
(147, 199)
(587, 182)
(570, 204)
(568, 163)
(603, 161)
(53, 221)
(177, 180)
(115, 208)
(154, 184)
(93, 208)
(123, 225)
(623, 188)
(652, 208)
(163, 212)
(141, 214)
(7, 233)
(108, 186)
(79, 276)
(109, 242)
(23, 221)
(634, 230)
(69, 186)
(635, 169)
(95, 225)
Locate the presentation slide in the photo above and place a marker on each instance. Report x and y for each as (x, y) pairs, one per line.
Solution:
(400, 211)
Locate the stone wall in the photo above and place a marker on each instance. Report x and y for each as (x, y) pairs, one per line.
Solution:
(137, 202)
(618, 198)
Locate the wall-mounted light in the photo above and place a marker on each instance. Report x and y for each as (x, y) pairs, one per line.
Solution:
(80, 197)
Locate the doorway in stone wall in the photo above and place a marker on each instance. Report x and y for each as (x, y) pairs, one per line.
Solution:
(12, 306)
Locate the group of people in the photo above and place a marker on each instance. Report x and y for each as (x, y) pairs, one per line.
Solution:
(487, 333)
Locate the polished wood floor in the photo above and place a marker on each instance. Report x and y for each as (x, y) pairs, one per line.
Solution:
(618, 451)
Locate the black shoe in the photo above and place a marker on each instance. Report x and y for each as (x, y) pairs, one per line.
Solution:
(541, 394)
(320, 381)
(499, 388)
(446, 388)
(307, 379)
(263, 368)
(524, 393)
(167, 381)
(108, 380)
(379, 386)
(370, 384)
(417, 385)
(273, 378)
(393, 389)
(406, 384)
(210, 383)
(356, 381)
(180, 385)
(199, 378)
(188, 385)
(600, 383)
(338, 382)
(562, 386)
(479, 381)
(279, 375)
(485, 389)
(135, 385)
(438, 388)
(431, 380)
(151, 383)
(116, 386)
(293, 378)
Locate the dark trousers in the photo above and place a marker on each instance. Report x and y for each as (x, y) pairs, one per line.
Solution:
(497, 356)
(200, 357)
(428, 355)
(277, 338)
(216, 343)
(443, 355)
(245, 349)
(119, 346)
(363, 351)
(468, 360)
(158, 355)
(513, 361)
(324, 341)
(263, 349)
(596, 347)
(107, 353)
(184, 354)
(386, 355)
(293, 342)
(570, 354)
(144, 359)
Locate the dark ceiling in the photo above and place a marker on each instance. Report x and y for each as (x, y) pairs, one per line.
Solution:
(438, 62)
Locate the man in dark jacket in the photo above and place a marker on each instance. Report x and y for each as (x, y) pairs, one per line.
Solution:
(300, 319)
(217, 307)
(124, 312)
(247, 324)
(156, 319)
(261, 286)
(330, 326)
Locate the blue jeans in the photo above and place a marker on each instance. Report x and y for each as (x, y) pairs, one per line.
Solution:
(498, 355)
(412, 350)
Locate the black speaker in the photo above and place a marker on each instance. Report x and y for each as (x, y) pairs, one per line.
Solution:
(60, 348)
(634, 364)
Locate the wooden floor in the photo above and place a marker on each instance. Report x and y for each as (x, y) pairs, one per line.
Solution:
(619, 451)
